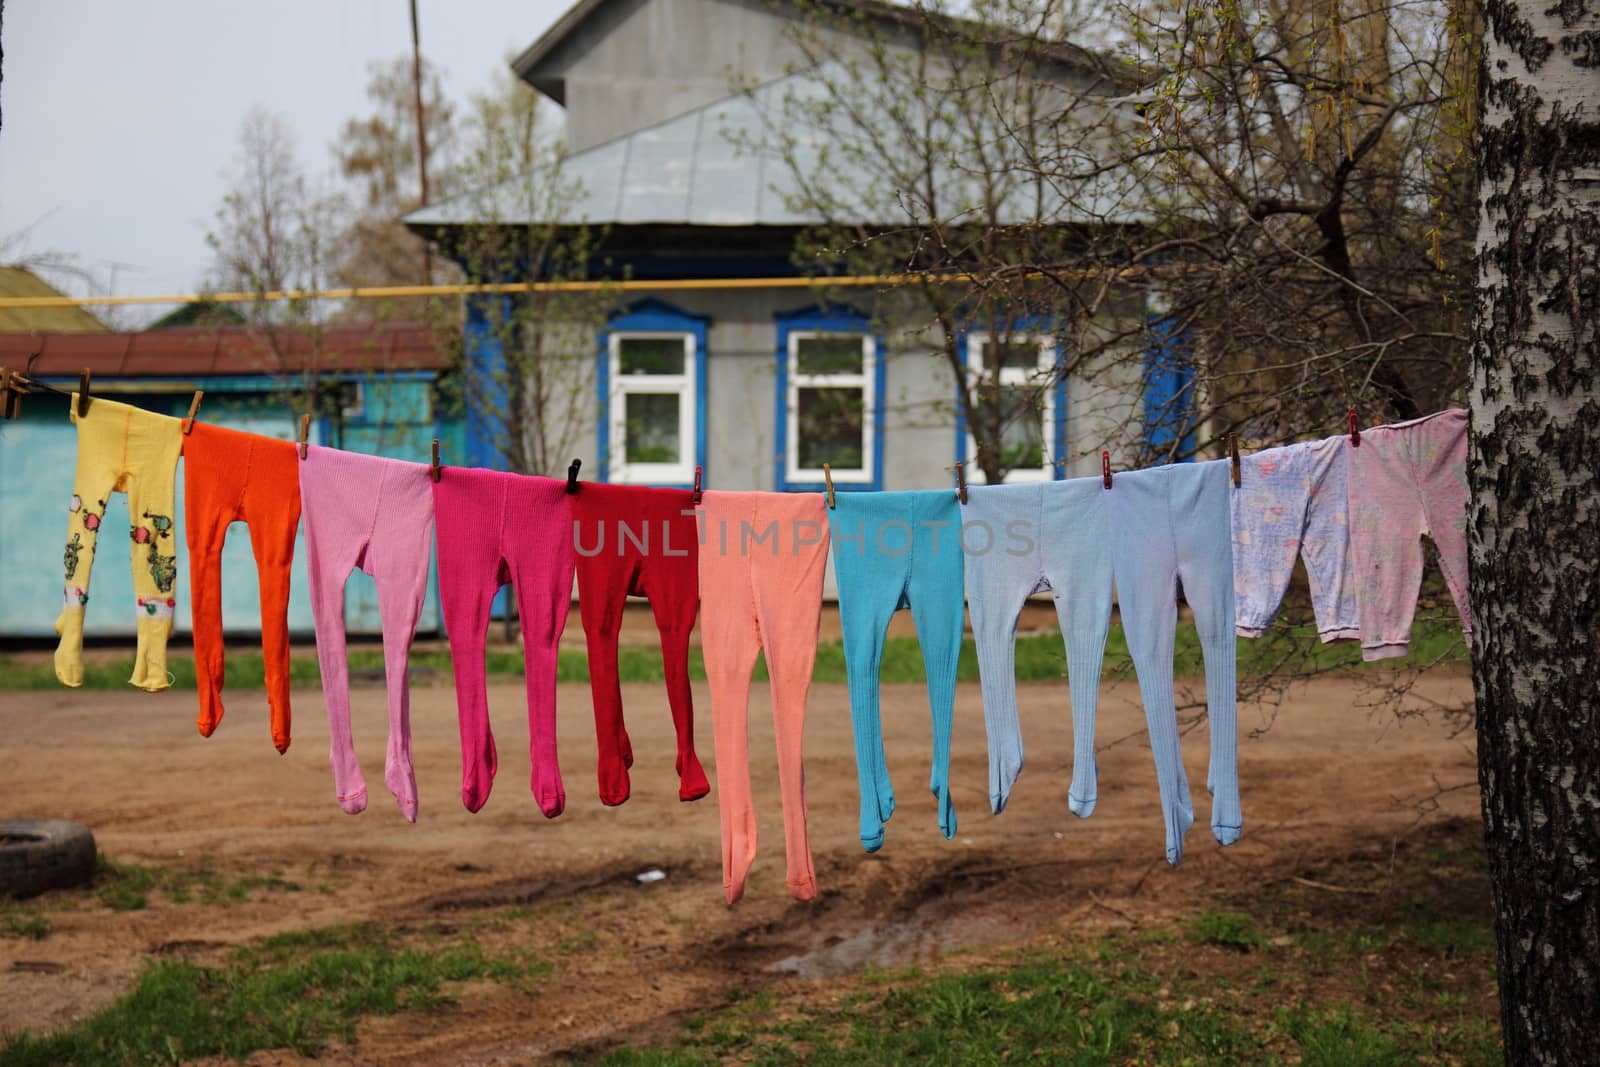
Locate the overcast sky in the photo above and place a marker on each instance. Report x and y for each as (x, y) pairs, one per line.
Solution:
(120, 118)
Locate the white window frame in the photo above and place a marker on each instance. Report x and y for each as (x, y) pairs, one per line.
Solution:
(1014, 377)
(626, 385)
(866, 381)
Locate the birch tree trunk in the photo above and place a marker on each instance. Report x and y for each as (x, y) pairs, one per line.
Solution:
(1534, 526)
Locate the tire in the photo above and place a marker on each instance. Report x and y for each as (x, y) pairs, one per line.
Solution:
(41, 854)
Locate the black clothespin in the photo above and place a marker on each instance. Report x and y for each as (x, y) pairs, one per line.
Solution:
(1233, 454)
(827, 478)
(572, 477)
(305, 432)
(699, 475)
(83, 393)
(961, 480)
(434, 473)
(1105, 468)
(1355, 429)
(194, 406)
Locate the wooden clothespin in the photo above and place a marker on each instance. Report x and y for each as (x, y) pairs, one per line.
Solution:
(1233, 454)
(434, 473)
(194, 406)
(827, 478)
(1355, 429)
(572, 477)
(1105, 468)
(699, 476)
(305, 432)
(7, 399)
(83, 393)
(961, 480)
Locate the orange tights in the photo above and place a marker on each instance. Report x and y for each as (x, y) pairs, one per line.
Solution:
(229, 476)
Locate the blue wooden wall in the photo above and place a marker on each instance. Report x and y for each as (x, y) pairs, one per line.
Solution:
(38, 455)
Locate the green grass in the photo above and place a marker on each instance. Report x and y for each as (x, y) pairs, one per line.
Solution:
(1110, 1007)
(1039, 658)
(128, 886)
(1106, 1010)
(1340, 1038)
(1424, 923)
(1397, 978)
(1041, 1011)
(299, 991)
(19, 922)
(1226, 930)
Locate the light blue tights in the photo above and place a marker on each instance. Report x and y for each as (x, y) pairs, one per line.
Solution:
(1169, 525)
(1020, 540)
(891, 551)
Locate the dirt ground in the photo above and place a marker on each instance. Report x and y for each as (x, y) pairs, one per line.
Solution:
(1330, 775)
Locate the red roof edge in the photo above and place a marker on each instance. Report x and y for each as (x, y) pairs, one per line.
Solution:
(208, 351)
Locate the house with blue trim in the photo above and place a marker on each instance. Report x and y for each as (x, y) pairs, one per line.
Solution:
(762, 385)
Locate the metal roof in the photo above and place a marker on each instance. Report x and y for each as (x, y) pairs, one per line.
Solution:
(205, 351)
(528, 64)
(716, 166)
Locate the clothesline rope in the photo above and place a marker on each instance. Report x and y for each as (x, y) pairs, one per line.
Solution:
(1343, 505)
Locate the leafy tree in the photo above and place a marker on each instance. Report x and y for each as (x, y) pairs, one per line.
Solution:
(1276, 196)
(534, 391)
(377, 153)
(276, 234)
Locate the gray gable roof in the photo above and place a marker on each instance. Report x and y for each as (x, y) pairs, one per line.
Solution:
(715, 166)
(532, 64)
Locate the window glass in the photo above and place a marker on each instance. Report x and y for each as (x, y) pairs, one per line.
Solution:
(1021, 425)
(650, 355)
(1011, 355)
(834, 353)
(831, 427)
(651, 428)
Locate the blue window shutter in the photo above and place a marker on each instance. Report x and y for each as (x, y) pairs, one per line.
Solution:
(1169, 401)
(485, 388)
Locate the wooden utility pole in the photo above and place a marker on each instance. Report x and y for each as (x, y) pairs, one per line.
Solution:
(422, 133)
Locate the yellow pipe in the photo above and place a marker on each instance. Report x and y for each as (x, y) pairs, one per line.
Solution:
(378, 292)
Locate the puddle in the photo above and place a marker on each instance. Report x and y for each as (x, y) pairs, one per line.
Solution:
(881, 946)
(951, 914)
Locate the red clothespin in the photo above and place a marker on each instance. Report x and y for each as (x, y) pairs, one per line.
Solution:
(1233, 454)
(194, 406)
(305, 432)
(572, 477)
(1105, 468)
(699, 475)
(1355, 430)
(434, 473)
(827, 478)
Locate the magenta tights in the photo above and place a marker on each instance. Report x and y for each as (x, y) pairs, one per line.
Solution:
(497, 528)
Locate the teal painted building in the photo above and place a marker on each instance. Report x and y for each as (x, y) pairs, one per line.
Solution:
(379, 390)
